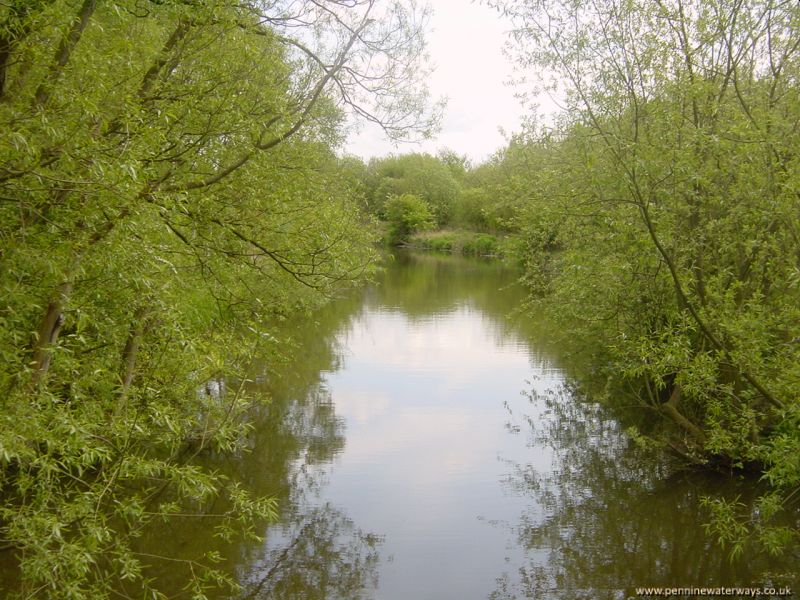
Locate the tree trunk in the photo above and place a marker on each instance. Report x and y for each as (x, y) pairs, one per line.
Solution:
(670, 408)
(13, 30)
(47, 336)
(64, 52)
(129, 354)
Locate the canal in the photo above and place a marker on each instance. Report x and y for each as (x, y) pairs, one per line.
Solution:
(427, 442)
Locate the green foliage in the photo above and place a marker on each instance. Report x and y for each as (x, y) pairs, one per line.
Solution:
(168, 193)
(406, 214)
(482, 244)
(421, 175)
(459, 165)
(496, 195)
(490, 197)
(468, 243)
(669, 189)
(470, 210)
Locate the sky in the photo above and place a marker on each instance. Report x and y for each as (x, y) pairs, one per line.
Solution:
(465, 42)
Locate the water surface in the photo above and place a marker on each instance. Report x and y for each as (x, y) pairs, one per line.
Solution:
(426, 445)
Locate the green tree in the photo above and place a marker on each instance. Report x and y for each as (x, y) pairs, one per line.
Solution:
(407, 214)
(422, 175)
(168, 191)
(674, 169)
(496, 194)
(458, 164)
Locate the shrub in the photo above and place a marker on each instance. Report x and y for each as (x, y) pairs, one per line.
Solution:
(407, 214)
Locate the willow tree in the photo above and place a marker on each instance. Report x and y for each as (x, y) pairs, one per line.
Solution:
(675, 169)
(421, 175)
(166, 190)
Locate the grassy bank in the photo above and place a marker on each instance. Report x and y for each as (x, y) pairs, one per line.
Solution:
(468, 243)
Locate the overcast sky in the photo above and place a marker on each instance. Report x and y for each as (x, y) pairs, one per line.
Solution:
(465, 44)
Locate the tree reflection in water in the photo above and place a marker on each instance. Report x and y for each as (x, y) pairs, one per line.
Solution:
(316, 553)
(608, 517)
(321, 556)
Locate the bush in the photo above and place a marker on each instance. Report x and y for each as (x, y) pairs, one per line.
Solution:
(407, 214)
(482, 244)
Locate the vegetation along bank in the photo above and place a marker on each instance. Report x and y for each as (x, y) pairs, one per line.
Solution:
(170, 187)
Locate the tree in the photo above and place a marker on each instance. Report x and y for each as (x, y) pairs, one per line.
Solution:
(407, 214)
(496, 194)
(167, 192)
(675, 175)
(422, 175)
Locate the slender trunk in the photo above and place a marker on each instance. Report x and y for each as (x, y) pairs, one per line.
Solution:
(704, 328)
(53, 319)
(156, 69)
(6, 45)
(64, 52)
(129, 354)
(162, 66)
(49, 329)
(15, 28)
(670, 408)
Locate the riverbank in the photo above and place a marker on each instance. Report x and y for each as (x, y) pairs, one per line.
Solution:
(460, 241)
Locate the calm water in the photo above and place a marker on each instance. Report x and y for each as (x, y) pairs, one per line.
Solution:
(425, 445)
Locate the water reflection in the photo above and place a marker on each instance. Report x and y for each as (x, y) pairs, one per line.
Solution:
(428, 364)
(316, 552)
(295, 433)
(320, 555)
(608, 517)
(409, 465)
